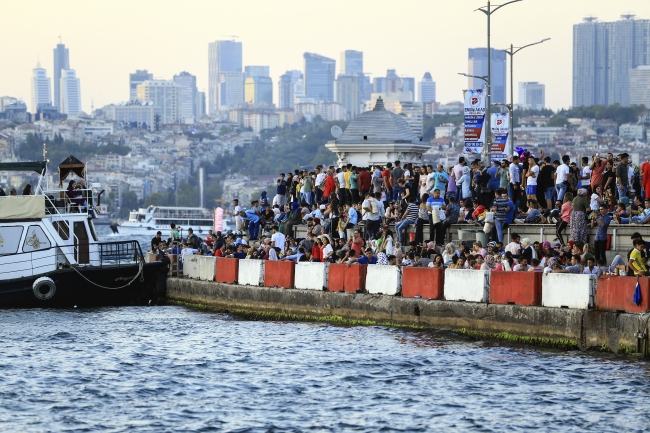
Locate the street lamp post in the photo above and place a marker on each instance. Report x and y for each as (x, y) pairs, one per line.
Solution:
(511, 53)
(487, 10)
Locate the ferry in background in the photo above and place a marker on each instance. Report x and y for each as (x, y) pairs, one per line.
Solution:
(159, 218)
(50, 254)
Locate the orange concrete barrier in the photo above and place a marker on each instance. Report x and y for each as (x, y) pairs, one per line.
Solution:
(520, 288)
(617, 294)
(279, 274)
(226, 270)
(426, 283)
(344, 278)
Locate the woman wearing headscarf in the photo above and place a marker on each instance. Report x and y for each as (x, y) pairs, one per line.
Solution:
(449, 253)
(579, 227)
(465, 184)
(382, 259)
(488, 264)
(295, 218)
(528, 251)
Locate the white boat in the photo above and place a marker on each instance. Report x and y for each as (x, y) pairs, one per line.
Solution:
(50, 254)
(160, 218)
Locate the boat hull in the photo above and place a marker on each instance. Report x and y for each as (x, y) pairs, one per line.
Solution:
(72, 289)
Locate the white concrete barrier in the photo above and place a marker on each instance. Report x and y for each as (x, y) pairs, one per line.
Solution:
(311, 275)
(467, 285)
(569, 290)
(191, 266)
(251, 272)
(385, 280)
(207, 267)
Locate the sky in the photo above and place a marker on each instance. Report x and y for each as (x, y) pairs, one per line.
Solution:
(108, 39)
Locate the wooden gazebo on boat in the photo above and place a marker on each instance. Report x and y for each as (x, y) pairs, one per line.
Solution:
(71, 165)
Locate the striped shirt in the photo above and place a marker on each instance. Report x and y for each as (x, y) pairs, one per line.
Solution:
(412, 212)
(502, 207)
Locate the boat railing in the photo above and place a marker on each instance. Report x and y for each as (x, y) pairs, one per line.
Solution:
(58, 202)
(120, 253)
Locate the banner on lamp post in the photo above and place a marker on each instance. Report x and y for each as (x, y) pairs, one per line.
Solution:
(500, 126)
(474, 121)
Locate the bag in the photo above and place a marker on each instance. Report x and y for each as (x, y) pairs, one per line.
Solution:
(435, 215)
(487, 228)
(489, 217)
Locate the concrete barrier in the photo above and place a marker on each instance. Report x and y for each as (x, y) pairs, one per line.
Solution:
(426, 283)
(519, 288)
(569, 290)
(207, 268)
(251, 273)
(617, 294)
(467, 285)
(191, 266)
(385, 280)
(279, 274)
(311, 275)
(344, 278)
(227, 270)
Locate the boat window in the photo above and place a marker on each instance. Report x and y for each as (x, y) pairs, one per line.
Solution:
(36, 240)
(10, 239)
(92, 230)
(62, 229)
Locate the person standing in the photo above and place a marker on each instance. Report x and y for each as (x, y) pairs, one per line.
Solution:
(440, 180)
(645, 178)
(500, 208)
(622, 176)
(395, 175)
(514, 180)
(371, 215)
(281, 191)
(585, 174)
(365, 182)
(562, 177)
(579, 229)
(354, 185)
(532, 175)
(318, 184)
(601, 222)
(597, 168)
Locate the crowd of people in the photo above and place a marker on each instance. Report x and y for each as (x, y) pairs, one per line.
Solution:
(349, 211)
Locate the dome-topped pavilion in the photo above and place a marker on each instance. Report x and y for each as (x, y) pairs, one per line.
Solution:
(377, 137)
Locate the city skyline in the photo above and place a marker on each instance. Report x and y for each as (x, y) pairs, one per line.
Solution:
(181, 45)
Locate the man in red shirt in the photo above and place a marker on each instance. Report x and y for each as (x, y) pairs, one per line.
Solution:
(364, 182)
(387, 180)
(220, 249)
(330, 185)
(645, 172)
(357, 243)
(597, 171)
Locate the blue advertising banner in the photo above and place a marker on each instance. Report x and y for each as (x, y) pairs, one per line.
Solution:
(474, 121)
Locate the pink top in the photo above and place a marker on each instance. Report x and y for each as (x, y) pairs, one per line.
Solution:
(566, 212)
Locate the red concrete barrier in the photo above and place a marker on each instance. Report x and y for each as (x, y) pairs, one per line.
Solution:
(520, 288)
(427, 283)
(279, 274)
(617, 294)
(344, 278)
(226, 270)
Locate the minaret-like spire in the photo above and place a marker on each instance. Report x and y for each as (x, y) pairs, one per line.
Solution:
(379, 105)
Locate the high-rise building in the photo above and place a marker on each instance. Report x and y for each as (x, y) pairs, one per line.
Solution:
(640, 86)
(290, 86)
(231, 89)
(532, 95)
(189, 92)
(259, 91)
(477, 58)
(408, 85)
(348, 93)
(393, 82)
(427, 89)
(61, 62)
(319, 77)
(200, 105)
(70, 102)
(223, 57)
(256, 71)
(351, 62)
(378, 85)
(41, 89)
(603, 55)
(166, 98)
(138, 77)
(366, 88)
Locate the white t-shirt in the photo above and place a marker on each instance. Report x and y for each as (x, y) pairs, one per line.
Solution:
(341, 178)
(594, 205)
(319, 179)
(517, 268)
(327, 250)
(562, 174)
(279, 240)
(532, 181)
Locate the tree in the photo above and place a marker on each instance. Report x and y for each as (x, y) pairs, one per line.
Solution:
(558, 121)
(129, 202)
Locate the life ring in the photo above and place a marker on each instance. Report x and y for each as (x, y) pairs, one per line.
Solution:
(44, 288)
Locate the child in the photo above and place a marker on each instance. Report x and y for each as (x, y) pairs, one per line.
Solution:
(536, 266)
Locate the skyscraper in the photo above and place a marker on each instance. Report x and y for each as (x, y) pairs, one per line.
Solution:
(166, 97)
(408, 85)
(61, 62)
(319, 77)
(426, 89)
(477, 58)
(189, 92)
(70, 88)
(640, 86)
(603, 55)
(223, 57)
(287, 89)
(351, 62)
(138, 77)
(231, 89)
(532, 95)
(348, 93)
(379, 85)
(393, 82)
(259, 91)
(41, 89)
(256, 71)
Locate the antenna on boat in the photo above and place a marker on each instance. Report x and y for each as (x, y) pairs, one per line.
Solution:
(47, 183)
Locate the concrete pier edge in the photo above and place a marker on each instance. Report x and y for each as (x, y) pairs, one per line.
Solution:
(538, 326)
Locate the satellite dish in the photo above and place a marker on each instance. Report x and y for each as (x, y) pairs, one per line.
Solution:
(336, 131)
